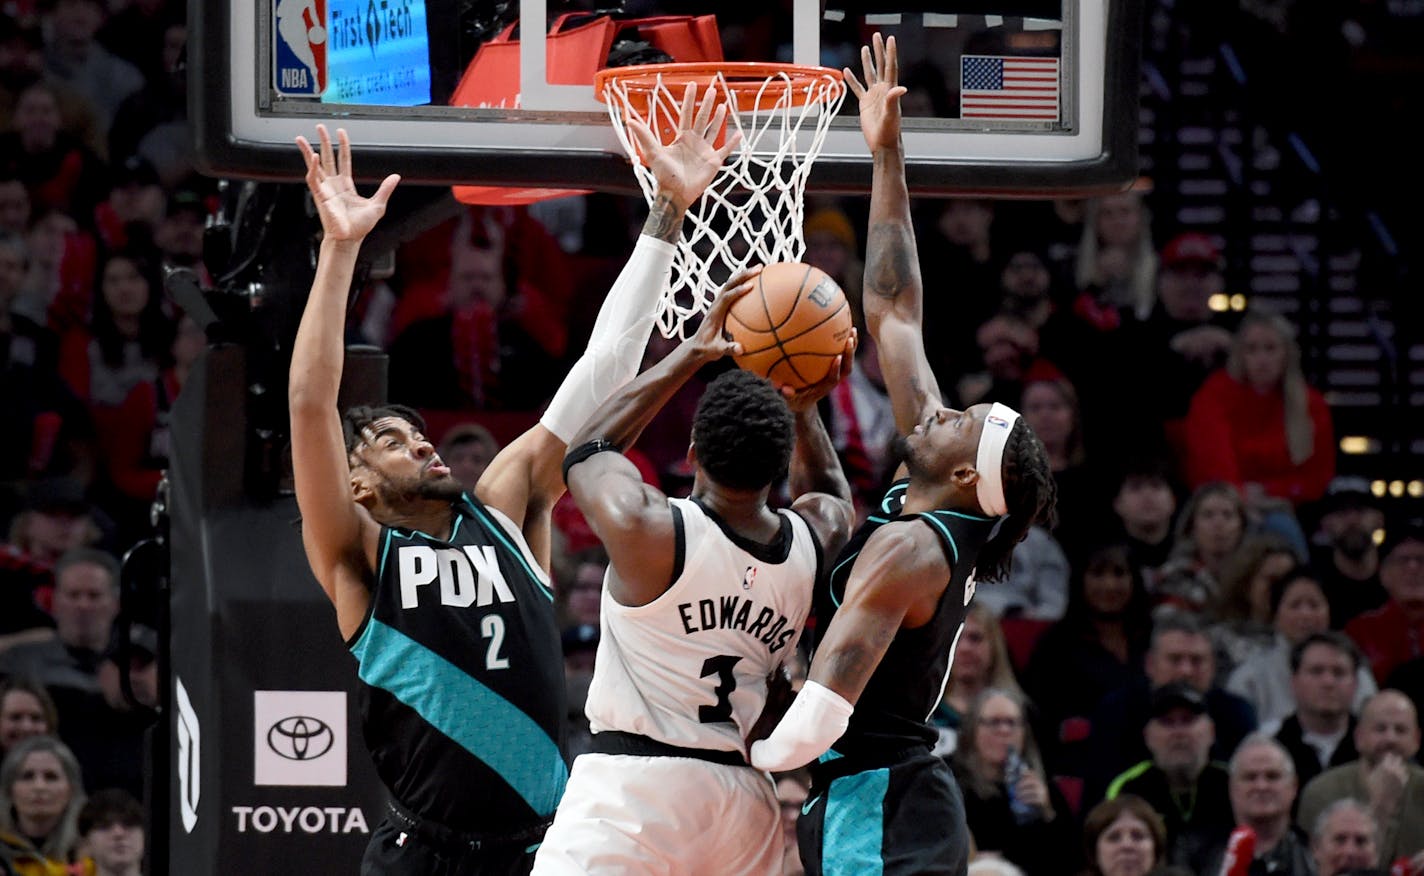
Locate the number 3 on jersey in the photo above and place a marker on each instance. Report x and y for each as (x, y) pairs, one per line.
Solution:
(719, 712)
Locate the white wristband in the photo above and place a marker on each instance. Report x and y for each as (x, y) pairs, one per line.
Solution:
(620, 334)
(817, 718)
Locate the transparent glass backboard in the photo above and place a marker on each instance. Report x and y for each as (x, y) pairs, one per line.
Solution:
(1019, 97)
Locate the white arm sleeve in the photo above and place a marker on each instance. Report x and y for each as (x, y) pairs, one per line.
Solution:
(615, 348)
(817, 718)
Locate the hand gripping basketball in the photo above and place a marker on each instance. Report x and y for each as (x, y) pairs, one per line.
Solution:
(711, 339)
(794, 328)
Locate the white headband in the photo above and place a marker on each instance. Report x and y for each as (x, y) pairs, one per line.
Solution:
(990, 460)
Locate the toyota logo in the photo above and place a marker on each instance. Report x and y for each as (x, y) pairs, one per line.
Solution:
(300, 737)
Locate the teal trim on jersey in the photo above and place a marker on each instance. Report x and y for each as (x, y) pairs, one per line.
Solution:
(929, 517)
(384, 552)
(469, 713)
(831, 579)
(455, 530)
(854, 825)
(498, 532)
(890, 494)
(873, 519)
(975, 517)
(1131, 773)
(830, 755)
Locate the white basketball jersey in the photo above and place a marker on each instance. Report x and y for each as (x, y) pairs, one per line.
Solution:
(690, 667)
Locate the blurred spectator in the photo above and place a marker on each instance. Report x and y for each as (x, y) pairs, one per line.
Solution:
(40, 799)
(1037, 587)
(59, 285)
(1027, 286)
(1117, 265)
(792, 790)
(1320, 732)
(21, 60)
(1040, 838)
(862, 426)
(86, 601)
(1385, 778)
(1008, 360)
(1243, 612)
(1180, 780)
(1345, 840)
(1394, 632)
(580, 648)
(25, 710)
(55, 519)
(111, 833)
(579, 591)
(152, 123)
(1209, 530)
(14, 204)
(992, 865)
(1180, 652)
(134, 207)
(832, 247)
(135, 33)
(957, 253)
(467, 449)
(60, 172)
(1098, 647)
(73, 56)
(104, 729)
(1050, 405)
(1124, 837)
(180, 233)
(1145, 507)
(1348, 556)
(1299, 612)
(128, 339)
(1263, 789)
(981, 661)
(1257, 423)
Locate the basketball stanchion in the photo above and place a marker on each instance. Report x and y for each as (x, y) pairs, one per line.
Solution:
(752, 212)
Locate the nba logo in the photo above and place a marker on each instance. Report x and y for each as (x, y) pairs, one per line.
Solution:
(299, 47)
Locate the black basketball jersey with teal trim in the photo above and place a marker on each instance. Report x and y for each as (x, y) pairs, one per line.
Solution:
(464, 703)
(903, 691)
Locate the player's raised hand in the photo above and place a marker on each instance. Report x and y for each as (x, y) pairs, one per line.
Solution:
(710, 339)
(686, 166)
(345, 215)
(807, 397)
(879, 96)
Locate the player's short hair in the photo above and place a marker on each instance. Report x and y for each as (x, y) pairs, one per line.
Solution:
(355, 420)
(743, 431)
(1031, 495)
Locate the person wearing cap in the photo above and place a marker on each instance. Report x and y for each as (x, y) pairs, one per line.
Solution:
(1180, 780)
(1394, 632)
(1386, 777)
(1256, 423)
(104, 728)
(1346, 554)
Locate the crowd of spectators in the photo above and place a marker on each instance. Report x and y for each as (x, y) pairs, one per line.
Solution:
(1222, 631)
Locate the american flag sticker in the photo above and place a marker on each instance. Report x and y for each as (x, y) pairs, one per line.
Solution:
(996, 87)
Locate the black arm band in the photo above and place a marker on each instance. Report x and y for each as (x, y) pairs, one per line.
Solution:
(584, 451)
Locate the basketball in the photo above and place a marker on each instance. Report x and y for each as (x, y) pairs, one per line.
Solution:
(792, 324)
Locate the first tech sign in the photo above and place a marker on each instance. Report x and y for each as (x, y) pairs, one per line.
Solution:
(299, 738)
(299, 47)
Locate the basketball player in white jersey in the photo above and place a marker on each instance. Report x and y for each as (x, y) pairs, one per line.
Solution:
(704, 598)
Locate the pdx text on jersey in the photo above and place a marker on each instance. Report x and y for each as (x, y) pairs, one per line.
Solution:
(466, 576)
(735, 613)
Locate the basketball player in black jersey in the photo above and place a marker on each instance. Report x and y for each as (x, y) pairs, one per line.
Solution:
(894, 606)
(443, 597)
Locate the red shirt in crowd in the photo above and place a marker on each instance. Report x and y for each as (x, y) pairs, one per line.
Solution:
(1387, 638)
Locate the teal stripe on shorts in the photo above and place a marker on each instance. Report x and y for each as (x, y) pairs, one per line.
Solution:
(854, 827)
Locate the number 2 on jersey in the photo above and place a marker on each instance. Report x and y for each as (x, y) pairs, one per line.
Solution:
(719, 712)
(492, 628)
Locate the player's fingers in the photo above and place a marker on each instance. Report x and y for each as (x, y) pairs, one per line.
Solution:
(305, 145)
(643, 135)
(734, 140)
(343, 153)
(684, 119)
(880, 55)
(853, 83)
(867, 66)
(328, 161)
(704, 111)
(383, 194)
(708, 128)
(741, 277)
(897, 92)
(892, 61)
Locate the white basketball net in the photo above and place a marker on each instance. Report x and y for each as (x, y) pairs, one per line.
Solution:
(753, 210)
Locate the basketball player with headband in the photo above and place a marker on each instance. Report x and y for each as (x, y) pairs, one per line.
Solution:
(442, 596)
(889, 617)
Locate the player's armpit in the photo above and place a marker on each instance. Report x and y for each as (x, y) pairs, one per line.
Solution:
(885, 584)
(633, 521)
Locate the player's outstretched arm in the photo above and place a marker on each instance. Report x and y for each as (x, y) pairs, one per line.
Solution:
(630, 517)
(818, 484)
(894, 293)
(885, 584)
(524, 481)
(339, 536)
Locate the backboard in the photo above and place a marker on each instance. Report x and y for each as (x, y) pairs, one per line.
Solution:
(1008, 98)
